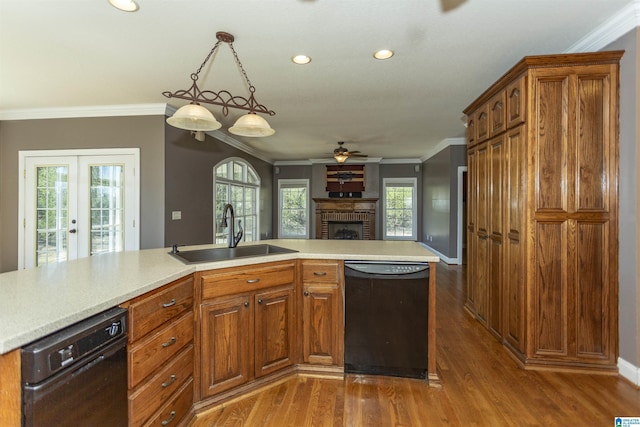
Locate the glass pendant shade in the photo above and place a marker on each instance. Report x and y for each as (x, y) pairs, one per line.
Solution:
(125, 5)
(252, 125)
(194, 117)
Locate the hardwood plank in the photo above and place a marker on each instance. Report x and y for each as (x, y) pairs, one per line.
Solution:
(482, 385)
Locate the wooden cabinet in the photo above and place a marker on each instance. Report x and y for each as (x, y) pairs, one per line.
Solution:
(246, 324)
(160, 355)
(543, 211)
(322, 312)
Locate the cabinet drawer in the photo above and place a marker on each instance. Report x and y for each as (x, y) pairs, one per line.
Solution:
(238, 280)
(150, 353)
(148, 313)
(320, 271)
(175, 409)
(148, 398)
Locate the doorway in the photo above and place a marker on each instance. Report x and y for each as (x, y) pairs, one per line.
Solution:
(77, 203)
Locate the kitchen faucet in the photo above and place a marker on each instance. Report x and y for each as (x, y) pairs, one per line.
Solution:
(234, 239)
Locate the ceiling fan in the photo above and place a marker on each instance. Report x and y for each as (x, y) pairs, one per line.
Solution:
(341, 154)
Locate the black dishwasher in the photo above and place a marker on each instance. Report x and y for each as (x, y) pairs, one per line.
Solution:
(386, 318)
(78, 376)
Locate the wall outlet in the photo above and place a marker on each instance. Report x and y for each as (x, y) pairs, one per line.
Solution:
(176, 215)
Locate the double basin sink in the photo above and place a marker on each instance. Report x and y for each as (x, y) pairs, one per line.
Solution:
(225, 254)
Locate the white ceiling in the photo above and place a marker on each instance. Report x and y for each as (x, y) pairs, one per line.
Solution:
(61, 54)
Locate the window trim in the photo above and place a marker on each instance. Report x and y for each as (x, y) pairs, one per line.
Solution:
(294, 183)
(389, 182)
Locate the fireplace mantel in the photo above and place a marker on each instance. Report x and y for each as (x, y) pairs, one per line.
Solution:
(338, 209)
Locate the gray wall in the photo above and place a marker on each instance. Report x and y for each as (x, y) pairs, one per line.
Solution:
(189, 187)
(440, 183)
(145, 132)
(629, 294)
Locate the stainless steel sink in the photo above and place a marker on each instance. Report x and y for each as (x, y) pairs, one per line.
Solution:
(225, 254)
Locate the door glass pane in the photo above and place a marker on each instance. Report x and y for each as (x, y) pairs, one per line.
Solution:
(107, 208)
(52, 186)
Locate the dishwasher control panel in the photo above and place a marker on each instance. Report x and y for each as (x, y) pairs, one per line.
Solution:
(387, 268)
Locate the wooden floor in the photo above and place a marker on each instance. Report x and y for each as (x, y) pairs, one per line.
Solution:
(481, 386)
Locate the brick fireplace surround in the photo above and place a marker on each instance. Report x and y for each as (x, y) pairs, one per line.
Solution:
(346, 210)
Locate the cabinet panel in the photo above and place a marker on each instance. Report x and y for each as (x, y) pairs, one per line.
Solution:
(319, 271)
(234, 280)
(147, 313)
(274, 330)
(497, 114)
(593, 290)
(482, 123)
(148, 354)
(322, 323)
(516, 102)
(471, 228)
(551, 142)
(514, 282)
(471, 130)
(175, 409)
(592, 139)
(496, 223)
(148, 398)
(551, 288)
(226, 343)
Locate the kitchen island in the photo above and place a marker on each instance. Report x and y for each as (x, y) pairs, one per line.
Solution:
(37, 302)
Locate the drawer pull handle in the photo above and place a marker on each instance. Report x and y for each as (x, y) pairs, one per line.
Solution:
(169, 304)
(306, 293)
(170, 419)
(172, 341)
(319, 273)
(172, 379)
(246, 304)
(253, 280)
(259, 301)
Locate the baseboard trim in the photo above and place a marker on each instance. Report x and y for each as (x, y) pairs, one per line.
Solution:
(445, 259)
(629, 371)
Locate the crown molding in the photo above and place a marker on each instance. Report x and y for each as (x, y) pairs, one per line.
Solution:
(87, 111)
(611, 30)
(447, 142)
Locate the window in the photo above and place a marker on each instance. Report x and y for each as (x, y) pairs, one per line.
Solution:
(400, 208)
(293, 203)
(236, 182)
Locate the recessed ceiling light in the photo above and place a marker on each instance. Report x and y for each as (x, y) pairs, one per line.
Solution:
(383, 54)
(301, 59)
(126, 5)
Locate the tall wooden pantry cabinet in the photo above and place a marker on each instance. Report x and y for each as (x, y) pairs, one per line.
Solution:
(543, 211)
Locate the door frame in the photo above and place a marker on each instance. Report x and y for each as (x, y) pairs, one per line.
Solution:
(24, 154)
(461, 225)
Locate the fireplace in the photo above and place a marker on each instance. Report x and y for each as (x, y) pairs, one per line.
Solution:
(352, 219)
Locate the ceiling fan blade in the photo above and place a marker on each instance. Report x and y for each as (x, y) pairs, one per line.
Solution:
(449, 5)
(359, 155)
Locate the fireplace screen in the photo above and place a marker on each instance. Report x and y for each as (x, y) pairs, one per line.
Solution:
(342, 230)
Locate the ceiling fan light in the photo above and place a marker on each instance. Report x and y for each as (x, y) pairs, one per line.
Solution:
(251, 125)
(125, 5)
(341, 158)
(194, 117)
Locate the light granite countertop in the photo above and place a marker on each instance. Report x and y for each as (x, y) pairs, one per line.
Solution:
(39, 301)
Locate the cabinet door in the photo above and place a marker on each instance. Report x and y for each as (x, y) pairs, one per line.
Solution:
(227, 335)
(472, 235)
(516, 102)
(495, 203)
(482, 243)
(482, 123)
(497, 114)
(322, 324)
(514, 283)
(274, 329)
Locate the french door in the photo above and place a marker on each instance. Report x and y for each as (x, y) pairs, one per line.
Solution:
(77, 204)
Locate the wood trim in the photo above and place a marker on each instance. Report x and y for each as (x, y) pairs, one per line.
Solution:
(10, 389)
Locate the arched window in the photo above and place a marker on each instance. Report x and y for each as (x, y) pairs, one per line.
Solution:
(236, 182)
